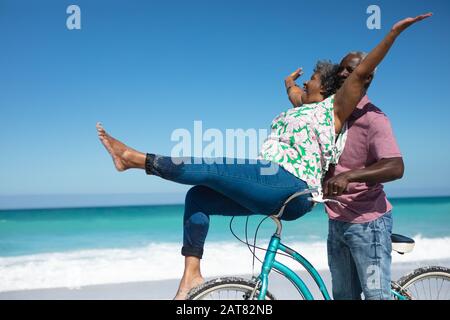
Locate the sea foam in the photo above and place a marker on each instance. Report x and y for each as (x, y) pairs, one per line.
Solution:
(159, 261)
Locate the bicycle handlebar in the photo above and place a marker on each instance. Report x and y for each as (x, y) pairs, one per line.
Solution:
(295, 195)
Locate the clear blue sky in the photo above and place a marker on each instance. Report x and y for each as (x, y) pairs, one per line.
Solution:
(146, 68)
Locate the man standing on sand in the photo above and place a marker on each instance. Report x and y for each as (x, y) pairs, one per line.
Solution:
(360, 227)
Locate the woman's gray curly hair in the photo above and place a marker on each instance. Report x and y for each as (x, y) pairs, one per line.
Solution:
(328, 72)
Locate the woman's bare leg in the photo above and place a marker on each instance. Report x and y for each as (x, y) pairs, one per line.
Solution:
(123, 156)
(192, 277)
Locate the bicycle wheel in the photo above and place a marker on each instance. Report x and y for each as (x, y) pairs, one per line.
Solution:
(428, 283)
(228, 288)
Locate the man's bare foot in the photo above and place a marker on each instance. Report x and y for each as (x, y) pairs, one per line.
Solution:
(123, 156)
(186, 286)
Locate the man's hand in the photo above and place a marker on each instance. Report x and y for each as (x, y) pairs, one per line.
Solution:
(405, 23)
(383, 170)
(337, 185)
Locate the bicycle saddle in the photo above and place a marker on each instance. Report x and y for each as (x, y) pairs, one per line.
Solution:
(402, 244)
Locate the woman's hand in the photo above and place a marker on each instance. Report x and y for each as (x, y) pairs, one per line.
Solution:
(405, 23)
(293, 90)
(296, 74)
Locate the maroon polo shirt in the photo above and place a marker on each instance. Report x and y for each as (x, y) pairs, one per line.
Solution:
(370, 139)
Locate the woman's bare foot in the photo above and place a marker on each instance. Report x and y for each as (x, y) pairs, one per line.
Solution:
(186, 285)
(123, 156)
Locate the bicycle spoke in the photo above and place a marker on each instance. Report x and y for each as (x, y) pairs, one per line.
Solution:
(429, 287)
(448, 287)
(417, 292)
(438, 290)
(443, 287)
(423, 286)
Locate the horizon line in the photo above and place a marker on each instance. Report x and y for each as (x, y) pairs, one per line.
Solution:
(155, 204)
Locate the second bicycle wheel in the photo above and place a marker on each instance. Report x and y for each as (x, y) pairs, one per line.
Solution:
(228, 288)
(428, 283)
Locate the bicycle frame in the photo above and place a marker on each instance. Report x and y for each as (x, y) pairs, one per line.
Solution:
(270, 263)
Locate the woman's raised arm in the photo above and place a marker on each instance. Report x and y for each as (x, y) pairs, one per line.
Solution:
(351, 92)
(293, 90)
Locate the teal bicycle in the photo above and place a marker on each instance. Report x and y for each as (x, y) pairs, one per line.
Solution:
(431, 283)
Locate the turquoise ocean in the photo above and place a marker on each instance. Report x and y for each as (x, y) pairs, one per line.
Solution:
(74, 247)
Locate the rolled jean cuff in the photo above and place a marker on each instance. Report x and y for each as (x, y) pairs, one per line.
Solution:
(191, 251)
(150, 164)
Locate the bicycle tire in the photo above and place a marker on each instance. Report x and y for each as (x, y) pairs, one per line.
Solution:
(409, 281)
(213, 287)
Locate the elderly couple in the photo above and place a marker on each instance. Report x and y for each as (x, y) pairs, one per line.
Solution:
(306, 146)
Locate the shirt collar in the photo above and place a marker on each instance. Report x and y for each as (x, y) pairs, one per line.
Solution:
(359, 108)
(365, 100)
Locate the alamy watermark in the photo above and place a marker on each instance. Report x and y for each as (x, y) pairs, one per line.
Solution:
(373, 277)
(374, 20)
(235, 146)
(73, 21)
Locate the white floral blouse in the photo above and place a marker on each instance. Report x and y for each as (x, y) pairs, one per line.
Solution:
(303, 142)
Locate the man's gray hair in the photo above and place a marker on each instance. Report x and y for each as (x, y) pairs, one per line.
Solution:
(362, 55)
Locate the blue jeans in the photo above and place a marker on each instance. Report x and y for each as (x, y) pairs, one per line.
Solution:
(228, 187)
(359, 257)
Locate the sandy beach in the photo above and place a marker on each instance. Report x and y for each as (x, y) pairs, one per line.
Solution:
(165, 289)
